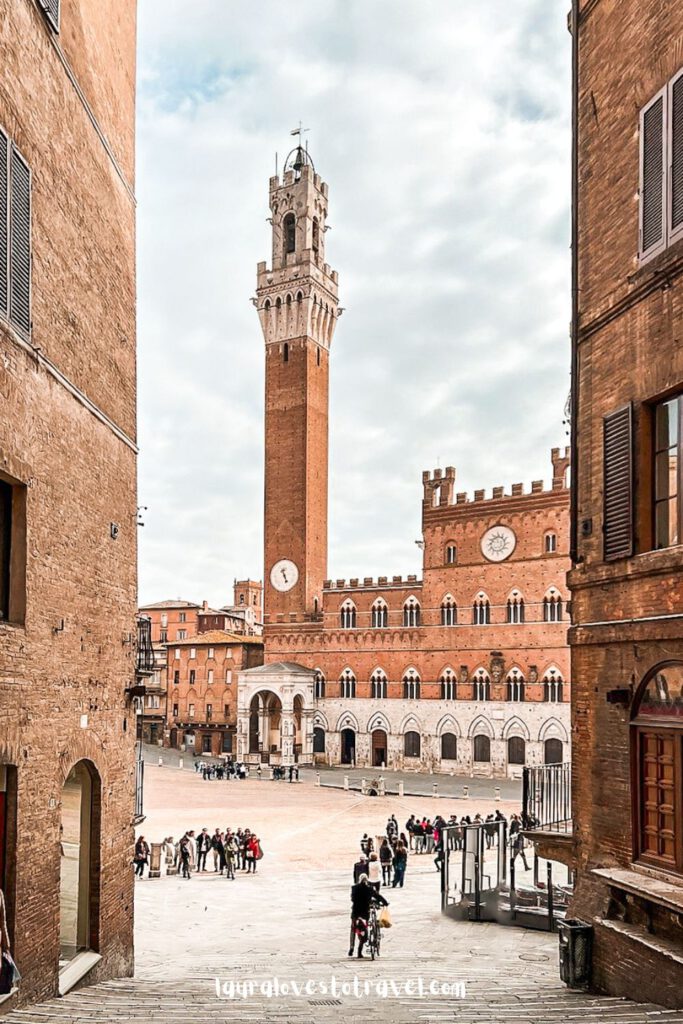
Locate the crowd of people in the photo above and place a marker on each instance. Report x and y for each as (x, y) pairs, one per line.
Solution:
(227, 851)
(222, 770)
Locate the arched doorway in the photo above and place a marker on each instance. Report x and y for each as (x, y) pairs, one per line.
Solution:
(348, 746)
(79, 862)
(552, 751)
(265, 712)
(379, 748)
(318, 740)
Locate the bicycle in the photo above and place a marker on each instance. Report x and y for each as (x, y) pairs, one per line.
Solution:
(374, 934)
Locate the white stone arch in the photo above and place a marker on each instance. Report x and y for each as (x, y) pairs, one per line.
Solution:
(552, 729)
(479, 726)
(378, 721)
(553, 592)
(448, 724)
(515, 673)
(516, 727)
(445, 670)
(552, 668)
(481, 672)
(320, 721)
(515, 594)
(347, 720)
(480, 595)
(410, 724)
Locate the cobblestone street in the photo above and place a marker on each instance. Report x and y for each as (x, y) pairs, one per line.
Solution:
(290, 922)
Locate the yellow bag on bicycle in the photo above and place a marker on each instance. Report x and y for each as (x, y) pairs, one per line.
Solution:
(384, 918)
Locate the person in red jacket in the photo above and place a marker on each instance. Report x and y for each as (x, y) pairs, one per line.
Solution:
(253, 853)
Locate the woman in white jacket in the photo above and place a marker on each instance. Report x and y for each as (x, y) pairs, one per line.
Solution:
(374, 875)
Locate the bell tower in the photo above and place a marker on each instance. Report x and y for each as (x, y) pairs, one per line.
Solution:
(296, 299)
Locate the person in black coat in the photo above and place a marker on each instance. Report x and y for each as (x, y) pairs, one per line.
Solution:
(360, 868)
(363, 896)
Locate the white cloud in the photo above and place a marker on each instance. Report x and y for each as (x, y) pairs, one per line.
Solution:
(442, 128)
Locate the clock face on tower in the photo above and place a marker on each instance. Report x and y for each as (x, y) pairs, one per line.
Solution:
(498, 543)
(284, 575)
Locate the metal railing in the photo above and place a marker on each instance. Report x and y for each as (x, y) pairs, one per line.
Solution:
(144, 655)
(547, 798)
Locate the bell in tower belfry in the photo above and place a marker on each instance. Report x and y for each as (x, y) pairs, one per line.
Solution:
(297, 303)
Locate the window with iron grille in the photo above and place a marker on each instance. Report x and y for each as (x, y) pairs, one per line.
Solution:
(15, 236)
(668, 471)
(661, 170)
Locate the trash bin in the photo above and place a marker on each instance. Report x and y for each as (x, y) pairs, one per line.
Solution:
(576, 941)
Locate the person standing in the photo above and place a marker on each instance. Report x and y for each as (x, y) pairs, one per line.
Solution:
(253, 854)
(141, 856)
(360, 868)
(185, 854)
(363, 895)
(386, 858)
(400, 864)
(231, 849)
(203, 846)
(410, 827)
(217, 850)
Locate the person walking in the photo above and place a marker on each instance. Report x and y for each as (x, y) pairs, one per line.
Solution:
(185, 847)
(360, 868)
(517, 842)
(374, 876)
(400, 865)
(141, 856)
(386, 857)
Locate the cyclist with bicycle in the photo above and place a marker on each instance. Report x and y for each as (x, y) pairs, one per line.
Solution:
(363, 897)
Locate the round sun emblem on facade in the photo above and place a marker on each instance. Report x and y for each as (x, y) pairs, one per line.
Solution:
(498, 543)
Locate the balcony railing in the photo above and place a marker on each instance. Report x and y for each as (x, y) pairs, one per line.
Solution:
(547, 798)
(144, 659)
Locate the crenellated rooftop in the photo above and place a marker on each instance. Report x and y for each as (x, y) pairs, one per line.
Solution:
(439, 485)
(370, 583)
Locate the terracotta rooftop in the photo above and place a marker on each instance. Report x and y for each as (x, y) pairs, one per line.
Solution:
(168, 604)
(213, 638)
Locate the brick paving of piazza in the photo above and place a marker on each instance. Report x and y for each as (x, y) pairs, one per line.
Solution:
(291, 921)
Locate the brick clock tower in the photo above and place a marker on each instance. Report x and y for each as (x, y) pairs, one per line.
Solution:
(297, 305)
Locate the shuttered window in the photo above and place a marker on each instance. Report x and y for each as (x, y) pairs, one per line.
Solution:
(618, 483)
(676, 170)
(653, 176)
(51, 8)
(20, 243)
(4, 224)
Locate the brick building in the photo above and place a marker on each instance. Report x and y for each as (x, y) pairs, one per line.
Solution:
(202, 683)
(67, 488)
(465, 669)
(627, 593)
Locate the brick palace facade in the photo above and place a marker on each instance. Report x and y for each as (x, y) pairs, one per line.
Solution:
(67, 489)
(464, 670)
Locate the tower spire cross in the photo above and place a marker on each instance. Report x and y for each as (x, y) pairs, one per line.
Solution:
(299, 131)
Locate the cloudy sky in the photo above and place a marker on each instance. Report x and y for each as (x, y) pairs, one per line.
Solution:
(442, 129)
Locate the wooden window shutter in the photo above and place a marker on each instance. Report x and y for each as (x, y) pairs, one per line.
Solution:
(51, 8)
(618, 483)
(4, 224)
(653, 176)
(20, 242)
(676, 157)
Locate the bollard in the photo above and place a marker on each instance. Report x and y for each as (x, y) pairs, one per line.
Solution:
(465, 792)
(180, 762)
(382, 786)
(346, 782)
(362, 786)
(400, 789)
(161, 760)
(317, 778)
(435, 789)
(497, 791)
(155, 861)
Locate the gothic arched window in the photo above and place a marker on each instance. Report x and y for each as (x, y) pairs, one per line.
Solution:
(348, 615)
(378, 680)
(411, 744)
(516, 750)
(347, 684)
(481, 685)
(411, 684)
(550, 543)
(515, 685)
(447, 681)
(411, 613)
(289, 233)
(449, 611)
(380, 614)
(315, 241)
(482, 748)
(515, 607)
(481, 611)
(449, 747)
(552, 686)
(319, 685)
(552, 607)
